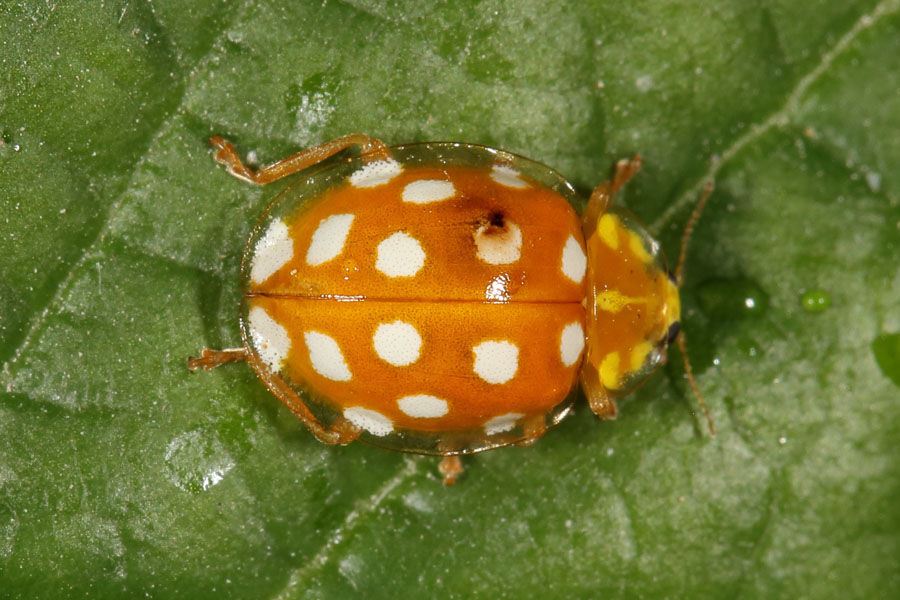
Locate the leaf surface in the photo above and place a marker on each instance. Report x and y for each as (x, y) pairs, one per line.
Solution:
(122, 474)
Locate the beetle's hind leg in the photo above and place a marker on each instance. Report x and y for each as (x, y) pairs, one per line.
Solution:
(534, 427)
(210, 359)
(341, 432)
(451, 467)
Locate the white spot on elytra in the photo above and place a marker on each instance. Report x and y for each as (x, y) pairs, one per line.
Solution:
(499, 246)
(423, 406)
(496, 361)
(268, 338)
(400, 255)
(328, 239)
(425, 191)
(372, 421)
(508, 176)
(376, 173)
(501, 423)
(574, 262)
(397, 343)
(571, 343)
(272, 251)
(326, 356)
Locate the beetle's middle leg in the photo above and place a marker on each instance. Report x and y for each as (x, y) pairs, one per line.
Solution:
(210, 359)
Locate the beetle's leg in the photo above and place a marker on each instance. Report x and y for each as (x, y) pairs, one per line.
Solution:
(603, 195)
(210, 359)
(600, 401)
(601, 404)
(227, 155)
(534, 426)
(689, 230)
(451, 468)
(342, 431)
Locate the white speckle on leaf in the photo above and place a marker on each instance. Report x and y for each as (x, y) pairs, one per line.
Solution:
(644, 83)
(196, 461)
(311, 116)
(873, 180)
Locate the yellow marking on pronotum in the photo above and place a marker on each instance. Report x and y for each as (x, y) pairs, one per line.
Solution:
(636, 244)
(608, 228)
(639, 355)
(614, 301)
(609, 371)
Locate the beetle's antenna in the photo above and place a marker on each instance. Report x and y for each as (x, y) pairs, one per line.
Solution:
(679, 279)
(682, 346)
(689, 230)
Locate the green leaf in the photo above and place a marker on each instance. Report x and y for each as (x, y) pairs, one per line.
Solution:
(123, 475)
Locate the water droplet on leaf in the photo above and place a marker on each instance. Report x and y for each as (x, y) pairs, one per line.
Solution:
(815, 301)
(887, 354)
(732, 298)
(196, 461)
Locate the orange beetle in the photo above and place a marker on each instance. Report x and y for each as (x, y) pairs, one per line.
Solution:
(445, 298)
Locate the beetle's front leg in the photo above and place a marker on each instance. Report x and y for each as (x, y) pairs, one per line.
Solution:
(227, 155)
(604, 194)
(601, 403)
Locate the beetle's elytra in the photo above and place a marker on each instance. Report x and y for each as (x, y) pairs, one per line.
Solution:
(445, 298)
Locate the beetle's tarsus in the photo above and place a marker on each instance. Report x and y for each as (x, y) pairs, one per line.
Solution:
(210, 359)
(227, 156)
(451, 467)
(625, 170)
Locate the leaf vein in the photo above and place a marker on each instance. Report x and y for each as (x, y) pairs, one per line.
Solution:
(88, 252)
(339, 534)
(782, 116)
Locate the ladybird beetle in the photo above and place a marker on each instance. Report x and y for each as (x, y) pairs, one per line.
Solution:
(445, 298)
